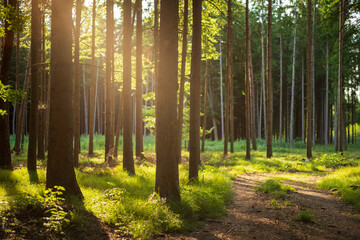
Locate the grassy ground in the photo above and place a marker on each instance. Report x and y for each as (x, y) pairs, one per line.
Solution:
(128, 204)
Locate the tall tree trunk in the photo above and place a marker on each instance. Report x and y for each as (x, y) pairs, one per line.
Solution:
(252, 99)
(326, 108)
(77, 83)
(205, 105)
(119, 125)
(60, 170)
(281, 94)
(86, 115)
(92, 83)
(247, 92)
(263, 65)
(195, 92)
(293, 86)
(156, 47)
(139, 88)
(5, 156)
(313, 74)
(182, 77)
(17, 84)
(35, 76)
(340, 80)
(167, 172)
(109, 134)
(41, 93)
(226, 112)
(309, 82)
(269, 102)
(128, 160)
(230, 75)
(221, 98)
(260, 109)
(302, 100)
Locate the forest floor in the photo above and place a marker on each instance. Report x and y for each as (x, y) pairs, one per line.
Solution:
(256, 215)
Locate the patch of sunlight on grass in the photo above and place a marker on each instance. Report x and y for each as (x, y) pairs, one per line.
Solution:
(346, 182)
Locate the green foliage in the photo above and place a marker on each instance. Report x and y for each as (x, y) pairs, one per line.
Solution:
(275, 203)
(57, 219)
(274, 187)
(333, 160)
(346, 182)
(305, 216)
(7, 93)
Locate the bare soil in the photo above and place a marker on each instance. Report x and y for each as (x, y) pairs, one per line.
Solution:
(251, 215)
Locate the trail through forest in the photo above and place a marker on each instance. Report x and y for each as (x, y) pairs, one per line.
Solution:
(253, 214)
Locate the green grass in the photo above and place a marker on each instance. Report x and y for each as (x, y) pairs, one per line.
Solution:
(305, 216)
(346, 182)
(129, 204)
(274, 188)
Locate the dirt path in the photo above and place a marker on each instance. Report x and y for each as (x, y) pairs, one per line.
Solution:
(251, 214)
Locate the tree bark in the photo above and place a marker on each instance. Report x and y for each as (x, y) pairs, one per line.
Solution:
(5, 155)
(247, 92)
(302, 100)
(263, 66)
(195, 93)
(340, 80)
(128, 160)
(309, 82)
(205, 105)
(35, 76)
(293, 86)
(326, 108)
(269, 101)
(182, 77)
(77, 83)
(60, 170)
(167, 172)
(221, 98)
(252, 97)
(139, 87)
(281, 94)
(230, 75)
(86, 115)
(92, 83)
(313, 74)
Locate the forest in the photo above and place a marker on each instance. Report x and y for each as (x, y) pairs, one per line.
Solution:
(178, 119)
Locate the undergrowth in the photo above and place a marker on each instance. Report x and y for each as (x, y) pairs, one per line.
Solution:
(274, 188)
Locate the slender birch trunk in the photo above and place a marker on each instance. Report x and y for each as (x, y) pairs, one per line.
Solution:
(205, 105)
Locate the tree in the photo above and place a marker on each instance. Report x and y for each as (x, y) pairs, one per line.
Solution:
(128, 160)
(269, 102)
(167, 172)
(230, 75)
(326, 108)
(340, 79)
(139, 100)
(247, 87)
(5, 155)
(309, 82)
(60, 170)
(35, 76)
(293, 86)
(195, 92)
(182, 75)
(92, 84)
(77, 83)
